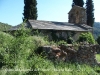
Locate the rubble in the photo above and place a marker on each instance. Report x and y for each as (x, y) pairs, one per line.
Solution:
(85, 53)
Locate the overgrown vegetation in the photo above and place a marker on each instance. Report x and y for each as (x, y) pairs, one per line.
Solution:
(86, 37)
(18, 57)
(4, 27)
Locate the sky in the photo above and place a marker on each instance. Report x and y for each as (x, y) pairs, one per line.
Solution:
(49, 10)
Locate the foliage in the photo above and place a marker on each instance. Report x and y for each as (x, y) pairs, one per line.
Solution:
(98, 40)
(19, 58)
(78, 3)
(70, 40)
(5, 40)
(22, 31)
(62, 42)
(90, 12)
(98, 57)
(54, 36)
(19, 47)
(4, 27)
(86, 37)
(30, 9)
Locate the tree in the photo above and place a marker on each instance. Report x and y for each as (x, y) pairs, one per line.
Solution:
(90, 12)
(78, 3)
(30, 10)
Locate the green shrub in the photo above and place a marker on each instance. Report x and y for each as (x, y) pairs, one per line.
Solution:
(70, 40)
(17, 53)
(5, 43)
(82, 37)
(20, 47)
(61, 42)
(88, 37)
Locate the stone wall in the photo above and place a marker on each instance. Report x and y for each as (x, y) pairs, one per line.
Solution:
(61, 34)
(77, 15)
(84, 54)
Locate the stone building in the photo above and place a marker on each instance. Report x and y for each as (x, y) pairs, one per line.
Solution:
(77, 15)
(75, 25)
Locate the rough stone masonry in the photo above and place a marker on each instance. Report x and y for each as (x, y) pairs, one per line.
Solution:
(85, 53)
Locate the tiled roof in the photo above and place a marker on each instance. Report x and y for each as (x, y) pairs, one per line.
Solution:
(51, 25)
(17, 27)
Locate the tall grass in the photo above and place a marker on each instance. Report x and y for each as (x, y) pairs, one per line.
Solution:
(18, 57)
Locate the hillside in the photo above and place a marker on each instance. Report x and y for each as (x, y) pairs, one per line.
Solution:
(4, 26)
(96, 28)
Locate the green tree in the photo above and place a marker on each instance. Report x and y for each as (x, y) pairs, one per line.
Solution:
(90, 12)
(30, 10)
(78, 3)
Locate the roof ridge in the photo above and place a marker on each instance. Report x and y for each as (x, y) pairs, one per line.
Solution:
(44, 20)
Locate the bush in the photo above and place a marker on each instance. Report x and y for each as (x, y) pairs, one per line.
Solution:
(88, 37)
(17, 53)
(5, 43)
(62, 42)
(18, 48)
(70, 40)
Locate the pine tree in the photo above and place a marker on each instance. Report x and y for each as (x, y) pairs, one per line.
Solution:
(78, 3)
(90, 12)
(30, 10)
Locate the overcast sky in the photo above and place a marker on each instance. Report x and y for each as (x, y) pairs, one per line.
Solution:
(50, 10)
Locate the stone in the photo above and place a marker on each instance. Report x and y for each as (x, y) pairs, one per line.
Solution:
(85, 53)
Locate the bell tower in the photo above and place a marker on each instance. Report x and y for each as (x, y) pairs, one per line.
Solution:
(77, 15)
